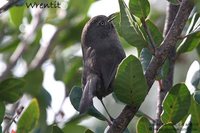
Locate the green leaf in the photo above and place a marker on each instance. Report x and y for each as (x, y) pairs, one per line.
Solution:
(195, 111)
(145, 58)
(194, 24)
(57, 130)
(75, 97)
(16, 15)
(197, 96)
(44, 98)
(10, 47)
(130, 84)
(193, 39)
(116, 22)
(11, 89)
(129, 28)
(176, 104)
(197, 5)
(73, 125)
(167, 128)
(60, 67)
(144, 126)
(29, 118)
(94, 112)
(175, 2)
(73, 128)
(189, 43)
(117, 25)
(33, 80)
(72, 72)
(139, 8)
(164, 71)
(155, 33)
(2, 111)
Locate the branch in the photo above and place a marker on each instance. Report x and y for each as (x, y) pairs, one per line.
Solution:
(8, 5)
(151, 40)
(44, 51)
(12, 119)
(122, 121)
(35, 23)
(167, 83)
(170, 16)
(170, 40)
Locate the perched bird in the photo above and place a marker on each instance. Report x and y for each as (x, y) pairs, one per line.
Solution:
(102, 53)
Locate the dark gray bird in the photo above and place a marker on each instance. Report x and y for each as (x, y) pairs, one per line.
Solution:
(102, 53)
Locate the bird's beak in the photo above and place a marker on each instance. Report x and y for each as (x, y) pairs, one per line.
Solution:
(112, 17)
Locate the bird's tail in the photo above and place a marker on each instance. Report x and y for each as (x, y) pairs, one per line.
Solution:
(86, 100)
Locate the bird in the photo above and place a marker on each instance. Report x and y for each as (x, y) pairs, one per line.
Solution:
(102, 53)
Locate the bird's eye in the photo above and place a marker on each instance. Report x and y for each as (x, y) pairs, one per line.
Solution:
(102, 23)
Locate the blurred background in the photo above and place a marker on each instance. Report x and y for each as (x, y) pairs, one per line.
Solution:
(43, 46)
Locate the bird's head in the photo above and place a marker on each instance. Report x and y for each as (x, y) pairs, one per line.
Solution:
(98, 28)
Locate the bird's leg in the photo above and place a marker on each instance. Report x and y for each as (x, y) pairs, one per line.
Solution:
(111, 118)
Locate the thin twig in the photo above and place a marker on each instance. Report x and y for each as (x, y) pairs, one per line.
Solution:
(152, 42)
(10, 117)
(18, 113)
(9, 124)
(111, 118)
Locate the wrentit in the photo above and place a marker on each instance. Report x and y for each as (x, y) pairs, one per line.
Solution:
(102, 53)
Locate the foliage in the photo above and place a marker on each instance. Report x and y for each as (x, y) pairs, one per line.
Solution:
(26, 46)
(26, 124)
(130, 86)
(144, 126)
(176, 104)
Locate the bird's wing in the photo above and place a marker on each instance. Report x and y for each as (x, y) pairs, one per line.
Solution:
(88, 60)
(110, 64)
(108, 70)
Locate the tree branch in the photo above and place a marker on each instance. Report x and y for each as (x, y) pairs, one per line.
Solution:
(8, 5)
(23, 44)
(122, 121)
(44, 51)
(170, 40)
(167, 83)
